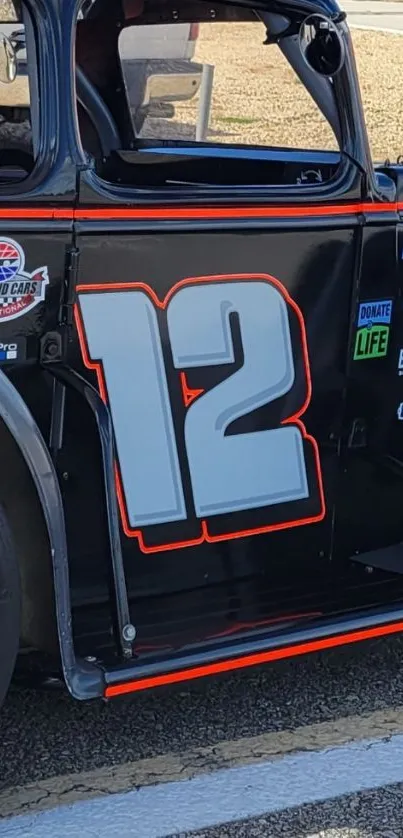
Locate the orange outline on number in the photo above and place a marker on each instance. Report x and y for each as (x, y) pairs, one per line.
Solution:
(295, 419)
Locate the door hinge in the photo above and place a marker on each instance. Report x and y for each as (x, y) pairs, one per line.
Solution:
(53, 344)
(66, 314)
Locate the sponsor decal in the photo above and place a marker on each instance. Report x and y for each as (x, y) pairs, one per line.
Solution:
(373, 326)
(13, 351)
(8, 351)
(20, 291)
(400, 412)
(400, 362)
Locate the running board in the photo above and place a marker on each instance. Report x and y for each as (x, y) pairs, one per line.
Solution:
(240, 653)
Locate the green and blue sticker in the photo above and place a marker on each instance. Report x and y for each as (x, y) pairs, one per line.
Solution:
(373, 327)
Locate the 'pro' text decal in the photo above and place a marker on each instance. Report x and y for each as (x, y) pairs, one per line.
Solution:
(206, 389)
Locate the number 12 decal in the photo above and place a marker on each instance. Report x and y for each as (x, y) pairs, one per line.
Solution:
(206, 389)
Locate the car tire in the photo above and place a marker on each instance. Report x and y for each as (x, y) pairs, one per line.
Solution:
(16, 146)
(158, 110)
(162, 110)
(9, 606)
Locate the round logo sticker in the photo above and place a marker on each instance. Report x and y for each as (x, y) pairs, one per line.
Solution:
(20, 291)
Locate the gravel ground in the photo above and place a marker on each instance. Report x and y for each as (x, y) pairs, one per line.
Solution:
(7, 10)
(379, 60)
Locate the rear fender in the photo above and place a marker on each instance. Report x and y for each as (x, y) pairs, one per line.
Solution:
(20, 502)
(82, 679)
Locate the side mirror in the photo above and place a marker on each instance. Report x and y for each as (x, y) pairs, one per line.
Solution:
(8, 60)
(321, 45)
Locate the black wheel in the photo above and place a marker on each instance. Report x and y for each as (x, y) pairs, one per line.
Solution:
(9, 606)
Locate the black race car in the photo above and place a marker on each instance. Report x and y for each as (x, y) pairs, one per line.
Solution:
(201, 400)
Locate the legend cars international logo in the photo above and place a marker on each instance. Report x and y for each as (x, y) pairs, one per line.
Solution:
(20, 291)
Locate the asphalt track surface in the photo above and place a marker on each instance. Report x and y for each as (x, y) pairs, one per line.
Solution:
(297, 749)
(375, 14)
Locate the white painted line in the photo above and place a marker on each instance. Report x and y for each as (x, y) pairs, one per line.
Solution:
(375, 28)
(223, 796)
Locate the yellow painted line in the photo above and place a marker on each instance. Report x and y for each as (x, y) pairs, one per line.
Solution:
(170, 767)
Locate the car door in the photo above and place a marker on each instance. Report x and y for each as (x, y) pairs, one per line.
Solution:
(215, 288)
(221, 353)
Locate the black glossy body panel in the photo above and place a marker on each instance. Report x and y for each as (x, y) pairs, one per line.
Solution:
(293, 258)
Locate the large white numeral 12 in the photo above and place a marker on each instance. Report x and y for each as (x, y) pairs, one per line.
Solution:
(229, 472)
